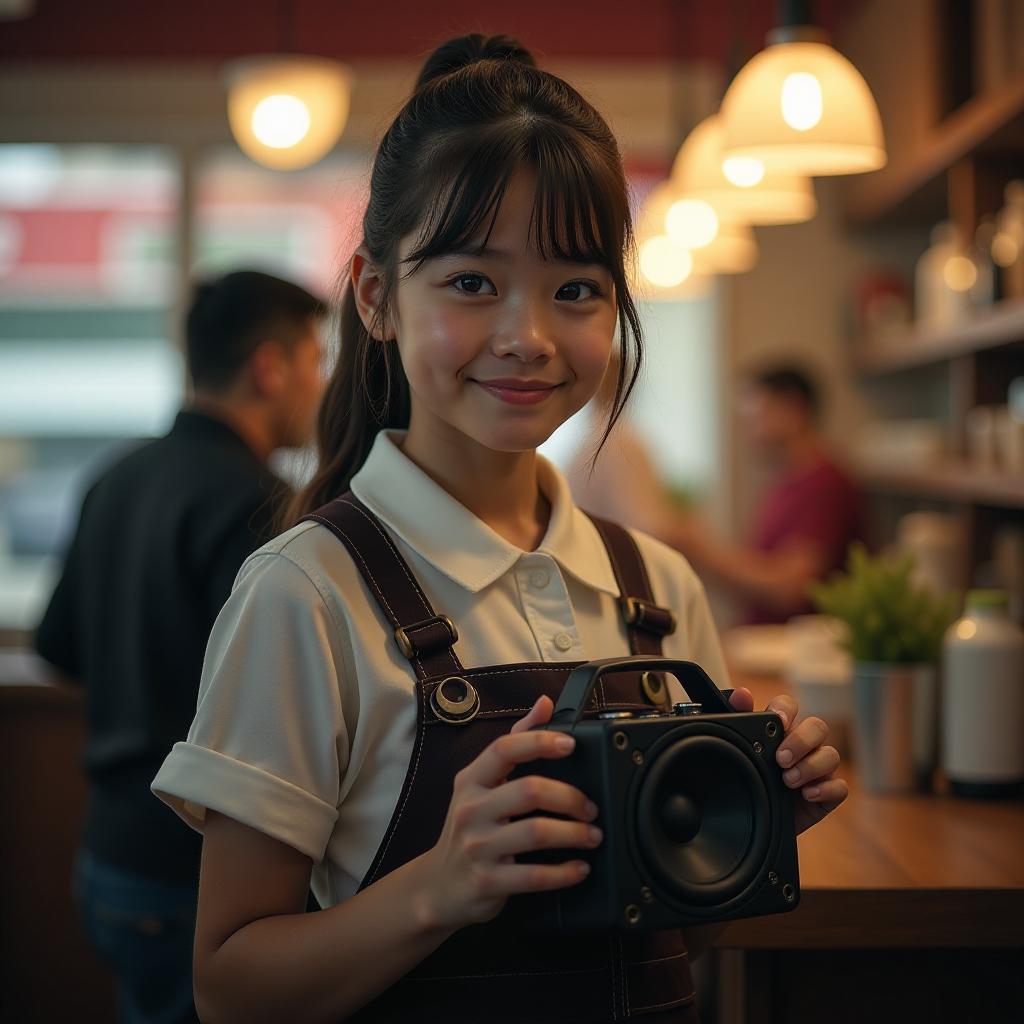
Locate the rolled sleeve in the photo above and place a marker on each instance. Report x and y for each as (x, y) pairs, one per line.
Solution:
(268, 744)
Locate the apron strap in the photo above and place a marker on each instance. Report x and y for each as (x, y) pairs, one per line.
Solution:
(646, 621)
(423, 636)
(427, 638)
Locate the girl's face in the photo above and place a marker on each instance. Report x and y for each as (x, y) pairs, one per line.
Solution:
(504, 347)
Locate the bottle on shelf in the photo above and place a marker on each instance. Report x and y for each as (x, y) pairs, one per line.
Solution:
(987, 287)
(1007, 245)
(943, 279)
(982, 718)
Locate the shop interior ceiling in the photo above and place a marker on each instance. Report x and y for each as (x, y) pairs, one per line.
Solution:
(120, 71)
(99, 30)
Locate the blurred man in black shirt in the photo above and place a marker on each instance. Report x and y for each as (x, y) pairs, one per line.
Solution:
(160, 539)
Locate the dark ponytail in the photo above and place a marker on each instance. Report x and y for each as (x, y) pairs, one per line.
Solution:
(480, 111)
(466, 50)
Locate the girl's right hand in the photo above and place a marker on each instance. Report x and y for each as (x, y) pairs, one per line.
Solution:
(471, 868)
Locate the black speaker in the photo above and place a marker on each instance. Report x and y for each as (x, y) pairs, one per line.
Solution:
(698, 824)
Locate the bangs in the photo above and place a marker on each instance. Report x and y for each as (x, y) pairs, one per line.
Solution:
(578, 215)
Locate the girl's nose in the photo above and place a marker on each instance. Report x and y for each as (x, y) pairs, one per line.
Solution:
(525, 335)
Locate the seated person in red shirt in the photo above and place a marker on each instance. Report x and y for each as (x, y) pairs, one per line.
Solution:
(806, 519)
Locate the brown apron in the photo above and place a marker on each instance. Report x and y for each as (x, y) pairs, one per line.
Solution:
(500, 971)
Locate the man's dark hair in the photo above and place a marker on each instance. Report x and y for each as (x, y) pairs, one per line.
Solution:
(790, 382)
(230, 316)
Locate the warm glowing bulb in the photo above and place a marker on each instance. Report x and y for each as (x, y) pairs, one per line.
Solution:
(743, 171)
(691, 223)
(663, 263)
(965, 629)
(802, 103)
(959, 273)
(280, 121)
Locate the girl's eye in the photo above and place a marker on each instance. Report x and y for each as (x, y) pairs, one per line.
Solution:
(472, 284)
(575, 291)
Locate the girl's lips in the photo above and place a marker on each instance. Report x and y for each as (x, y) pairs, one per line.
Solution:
(518, 395)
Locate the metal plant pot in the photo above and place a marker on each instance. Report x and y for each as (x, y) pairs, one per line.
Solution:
(895, 726)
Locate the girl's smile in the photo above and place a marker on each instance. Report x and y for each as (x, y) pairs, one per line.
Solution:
(519, 392)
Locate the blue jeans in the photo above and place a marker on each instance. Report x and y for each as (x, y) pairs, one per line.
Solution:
(144, 929)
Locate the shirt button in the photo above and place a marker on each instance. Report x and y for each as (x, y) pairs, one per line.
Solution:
(563, 641)
(539, 579)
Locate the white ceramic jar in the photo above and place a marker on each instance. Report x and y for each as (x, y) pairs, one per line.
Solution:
(982, 745)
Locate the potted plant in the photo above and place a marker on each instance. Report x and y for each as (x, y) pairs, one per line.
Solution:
(895, 629)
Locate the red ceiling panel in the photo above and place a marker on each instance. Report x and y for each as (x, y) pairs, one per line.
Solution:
(123, 30)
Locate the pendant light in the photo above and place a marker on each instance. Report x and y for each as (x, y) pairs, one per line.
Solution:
(740, 189)
(734, 251)
(286, 111)
(661, 261)
(666, 264)
(801, 107)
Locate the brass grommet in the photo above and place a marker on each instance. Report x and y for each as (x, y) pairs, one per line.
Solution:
(655, 690)
(459, 704)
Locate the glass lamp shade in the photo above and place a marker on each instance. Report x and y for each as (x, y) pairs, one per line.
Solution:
(667, 266)
(660, 263)
(690, 222)
(801, 107)
(734, 251)
(287, 112)
(762, 197)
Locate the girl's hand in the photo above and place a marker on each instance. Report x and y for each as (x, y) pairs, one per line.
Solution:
(471, 868)
(809, 766)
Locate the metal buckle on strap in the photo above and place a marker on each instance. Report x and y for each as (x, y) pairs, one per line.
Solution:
(649, 617)
(408, 646)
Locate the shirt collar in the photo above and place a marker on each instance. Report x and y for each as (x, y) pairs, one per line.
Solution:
(456, 542)
(194, 423)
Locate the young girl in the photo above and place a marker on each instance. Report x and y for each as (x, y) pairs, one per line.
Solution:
(375, 675)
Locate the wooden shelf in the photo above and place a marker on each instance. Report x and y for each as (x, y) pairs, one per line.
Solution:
(990, 123)
(1001, 326)
(952, 482)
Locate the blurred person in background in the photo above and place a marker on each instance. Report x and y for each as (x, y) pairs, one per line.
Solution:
(806, 519)
(160, 538)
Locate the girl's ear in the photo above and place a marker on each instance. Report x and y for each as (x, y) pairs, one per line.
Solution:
(367, 284)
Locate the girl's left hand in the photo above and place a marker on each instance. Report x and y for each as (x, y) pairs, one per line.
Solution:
(809, 766)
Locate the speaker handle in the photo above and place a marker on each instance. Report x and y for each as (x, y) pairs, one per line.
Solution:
(582, 680)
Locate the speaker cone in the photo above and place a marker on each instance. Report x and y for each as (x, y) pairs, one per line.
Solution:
(702, 817)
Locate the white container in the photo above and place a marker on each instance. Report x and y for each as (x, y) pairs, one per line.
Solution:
(983, 699)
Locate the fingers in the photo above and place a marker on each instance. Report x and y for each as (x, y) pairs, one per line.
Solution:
(786, 708)
(828, 792)
(500, 757)
(817, 765)
(512, 879)
(539, 714)
(741, 699)
(801, 740)
(540, 833)
(537, 793)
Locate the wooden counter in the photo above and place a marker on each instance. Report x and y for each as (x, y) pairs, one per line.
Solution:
(48, 972)
(912, 908)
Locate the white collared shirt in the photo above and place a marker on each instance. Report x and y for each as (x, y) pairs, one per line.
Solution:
(307, 709)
